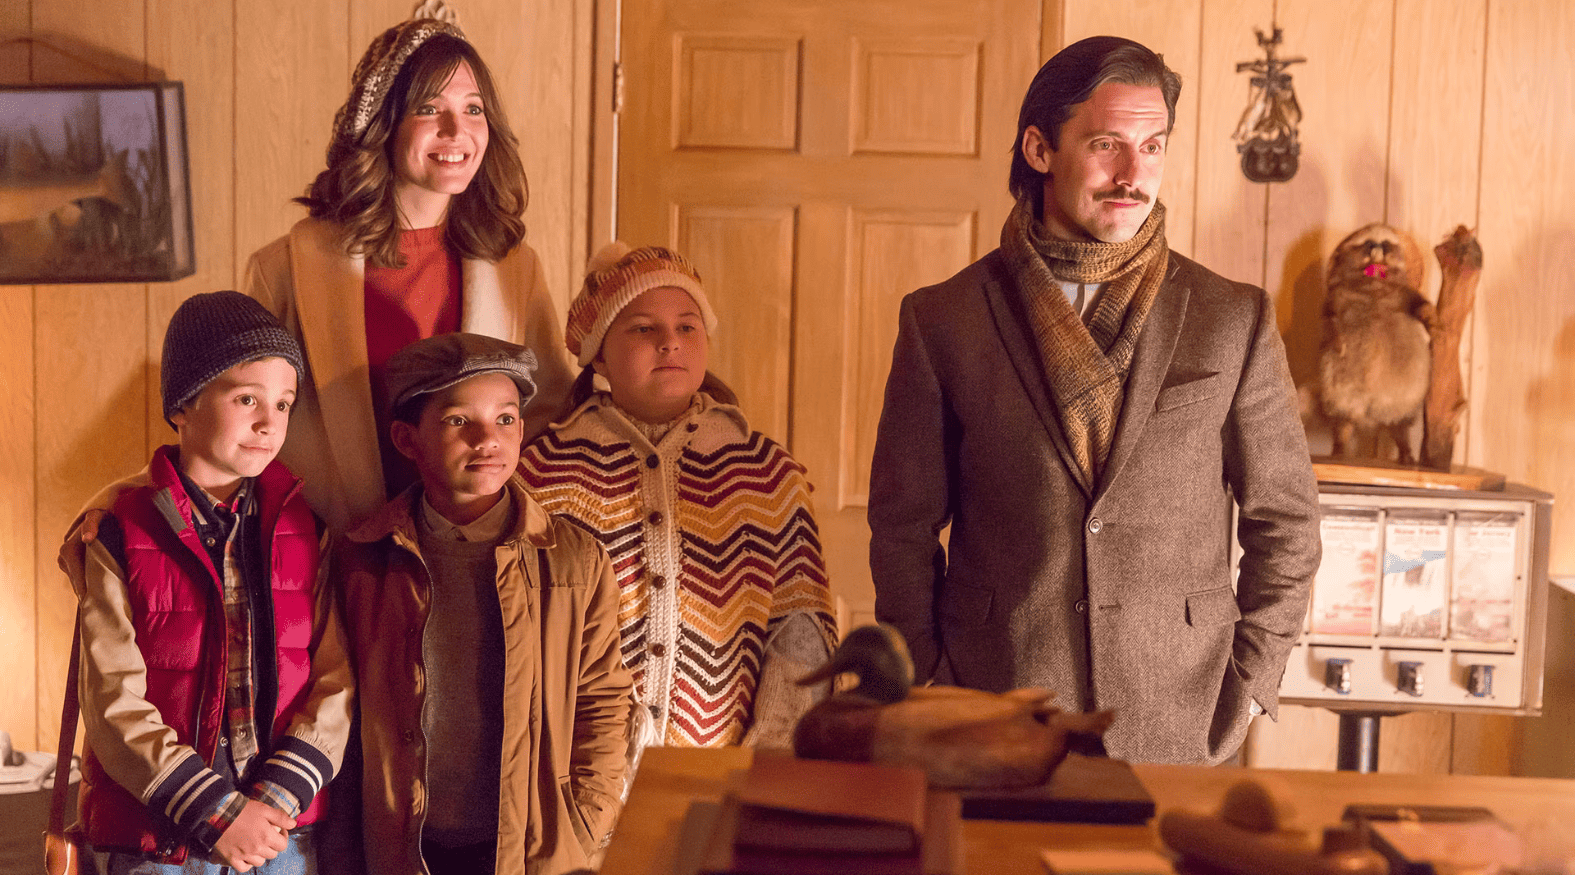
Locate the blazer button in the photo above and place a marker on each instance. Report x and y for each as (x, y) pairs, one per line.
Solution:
(409, 735)
(652, 461)
(1081, 607)
(658, 650)
(1094, 525)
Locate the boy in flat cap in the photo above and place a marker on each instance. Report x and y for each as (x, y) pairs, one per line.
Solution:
(215, 689)
(485, 632)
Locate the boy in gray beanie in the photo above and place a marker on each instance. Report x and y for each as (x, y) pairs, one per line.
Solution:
(215, 689)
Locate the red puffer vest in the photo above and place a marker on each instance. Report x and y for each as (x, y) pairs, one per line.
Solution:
(177, 605)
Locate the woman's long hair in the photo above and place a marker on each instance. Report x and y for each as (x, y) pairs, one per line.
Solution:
(357, 193)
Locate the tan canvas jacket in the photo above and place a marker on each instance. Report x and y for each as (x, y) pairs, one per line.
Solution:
(565, 737)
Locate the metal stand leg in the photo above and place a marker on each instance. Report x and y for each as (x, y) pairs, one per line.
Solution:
(1358, 741)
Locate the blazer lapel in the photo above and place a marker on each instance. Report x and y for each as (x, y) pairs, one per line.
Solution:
(1011, 323)
(331, 301)
(1150, 363)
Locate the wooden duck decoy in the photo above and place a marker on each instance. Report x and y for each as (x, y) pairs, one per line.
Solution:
(962, 738)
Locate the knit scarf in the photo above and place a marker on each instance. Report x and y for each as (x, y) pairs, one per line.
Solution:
(1086, 366)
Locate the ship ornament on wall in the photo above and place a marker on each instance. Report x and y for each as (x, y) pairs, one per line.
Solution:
(1266, 135)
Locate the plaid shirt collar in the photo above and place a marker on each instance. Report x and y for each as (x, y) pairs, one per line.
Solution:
(221, 526)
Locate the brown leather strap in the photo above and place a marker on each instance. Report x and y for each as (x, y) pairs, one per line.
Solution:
(68, 737)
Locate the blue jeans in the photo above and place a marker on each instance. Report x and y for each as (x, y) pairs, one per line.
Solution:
(298, 858)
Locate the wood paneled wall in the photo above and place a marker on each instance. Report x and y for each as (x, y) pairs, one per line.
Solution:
(1425, 115)
(1420, 113)
(262, 83)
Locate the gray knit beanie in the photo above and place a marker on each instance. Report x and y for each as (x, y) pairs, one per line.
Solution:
(375, 75)
(213, 332)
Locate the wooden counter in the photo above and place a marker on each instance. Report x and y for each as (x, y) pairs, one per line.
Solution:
(1542, 810)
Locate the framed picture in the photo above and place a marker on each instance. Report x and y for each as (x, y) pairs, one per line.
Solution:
(93, 184)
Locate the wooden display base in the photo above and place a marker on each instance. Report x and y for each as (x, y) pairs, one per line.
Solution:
(1372, 472)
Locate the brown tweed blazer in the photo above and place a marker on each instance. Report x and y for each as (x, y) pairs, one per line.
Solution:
(1121, 598)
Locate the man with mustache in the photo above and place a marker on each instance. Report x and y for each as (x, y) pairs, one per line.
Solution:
(1090, 413)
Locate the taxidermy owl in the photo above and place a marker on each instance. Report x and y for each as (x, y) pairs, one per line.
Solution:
(1375, 358)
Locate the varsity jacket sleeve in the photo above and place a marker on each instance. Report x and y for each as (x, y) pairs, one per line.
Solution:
(312, 749)
(910, 496)
(1270, 473)
(71, 554)
(125, 731)
(803, 625)
(601, 711)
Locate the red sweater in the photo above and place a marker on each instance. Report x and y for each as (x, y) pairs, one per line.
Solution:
(404, 305)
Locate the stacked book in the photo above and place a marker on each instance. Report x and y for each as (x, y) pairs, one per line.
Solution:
(787, 816)
(1082, 789)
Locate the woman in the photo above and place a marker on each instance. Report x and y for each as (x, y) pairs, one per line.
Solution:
(414, 229)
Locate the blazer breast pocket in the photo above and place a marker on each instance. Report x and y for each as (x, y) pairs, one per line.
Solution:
(1191, 392)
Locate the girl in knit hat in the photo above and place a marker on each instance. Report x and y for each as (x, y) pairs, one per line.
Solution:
(723, 592)
(415, 229)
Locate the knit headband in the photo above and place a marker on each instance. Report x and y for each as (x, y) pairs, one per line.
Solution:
(614, 278)
(375, 75)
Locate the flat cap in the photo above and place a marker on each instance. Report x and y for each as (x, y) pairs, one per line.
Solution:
(436, 363)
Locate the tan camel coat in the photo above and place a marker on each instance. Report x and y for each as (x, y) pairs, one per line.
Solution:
(567, 696)
(333, 441)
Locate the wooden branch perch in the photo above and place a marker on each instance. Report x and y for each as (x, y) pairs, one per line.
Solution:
(1460, 261)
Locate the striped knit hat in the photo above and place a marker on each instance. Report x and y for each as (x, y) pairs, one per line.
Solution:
(613, 279)
(375, 75)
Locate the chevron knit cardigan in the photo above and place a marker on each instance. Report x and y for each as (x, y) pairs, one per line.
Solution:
(714, 545)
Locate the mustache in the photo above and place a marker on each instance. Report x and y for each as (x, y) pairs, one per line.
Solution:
(1122, 193)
